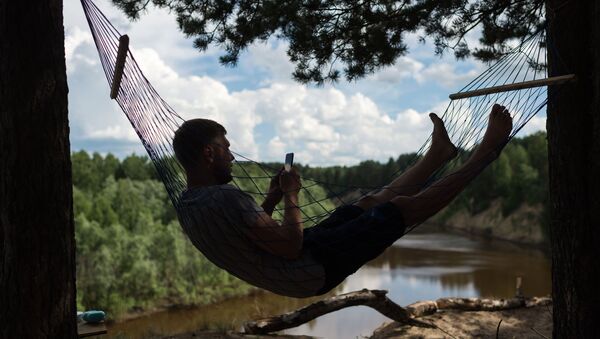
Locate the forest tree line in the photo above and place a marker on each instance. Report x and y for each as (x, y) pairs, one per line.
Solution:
(132, 254)
(519, 175)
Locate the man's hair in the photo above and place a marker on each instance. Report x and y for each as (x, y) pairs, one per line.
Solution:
(191, 137)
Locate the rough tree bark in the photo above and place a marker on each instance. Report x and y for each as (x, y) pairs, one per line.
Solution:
(574, 161)
(37, 249)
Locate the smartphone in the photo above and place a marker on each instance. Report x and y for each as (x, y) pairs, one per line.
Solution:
(289, 160)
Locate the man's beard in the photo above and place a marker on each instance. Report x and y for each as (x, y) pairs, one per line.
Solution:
(224, 177)
(222, 171)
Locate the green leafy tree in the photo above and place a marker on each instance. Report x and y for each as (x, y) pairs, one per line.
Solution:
(480, 194)
(128, 257)
(108, 165)
(82, 203)
(521, 179)
(102, 210)
(131, 251)
(136, 167)
(84, 172)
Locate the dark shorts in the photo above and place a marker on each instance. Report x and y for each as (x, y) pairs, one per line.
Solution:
(351, 237)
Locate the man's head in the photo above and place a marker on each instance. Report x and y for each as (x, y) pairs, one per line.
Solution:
(201, 147)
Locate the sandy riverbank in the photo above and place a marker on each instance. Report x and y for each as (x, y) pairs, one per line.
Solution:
(531, 322)
(522, 226)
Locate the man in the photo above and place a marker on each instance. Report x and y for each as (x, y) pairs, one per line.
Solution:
(239, 236)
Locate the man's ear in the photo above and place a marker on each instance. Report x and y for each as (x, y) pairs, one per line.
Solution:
(208, 153)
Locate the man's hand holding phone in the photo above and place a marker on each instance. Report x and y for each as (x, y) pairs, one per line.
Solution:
(290, 182)
(289, 161)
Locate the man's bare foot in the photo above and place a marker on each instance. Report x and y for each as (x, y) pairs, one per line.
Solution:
(496, 135)
(441, 146)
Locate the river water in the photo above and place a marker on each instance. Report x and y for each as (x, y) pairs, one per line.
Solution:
(424, 265)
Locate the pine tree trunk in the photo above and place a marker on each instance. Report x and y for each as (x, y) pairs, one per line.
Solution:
(37, 247)
(574, 162)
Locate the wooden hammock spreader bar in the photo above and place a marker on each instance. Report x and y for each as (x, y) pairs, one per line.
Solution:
(119, 65)
(512, 87)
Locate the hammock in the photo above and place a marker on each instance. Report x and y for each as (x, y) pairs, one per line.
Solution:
(518, 81)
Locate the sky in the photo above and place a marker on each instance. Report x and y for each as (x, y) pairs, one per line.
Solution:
(265, 112)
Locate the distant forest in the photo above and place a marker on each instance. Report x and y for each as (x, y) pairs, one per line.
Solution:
(132, 254)
(519, 175)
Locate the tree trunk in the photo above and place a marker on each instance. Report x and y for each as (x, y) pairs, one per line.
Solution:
(37, 246)
(574, 162)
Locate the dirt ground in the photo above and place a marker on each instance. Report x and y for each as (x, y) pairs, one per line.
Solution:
(232, 335)
(533, 322)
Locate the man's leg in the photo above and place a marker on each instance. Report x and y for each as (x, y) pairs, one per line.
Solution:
(412, 180)
(418, 208)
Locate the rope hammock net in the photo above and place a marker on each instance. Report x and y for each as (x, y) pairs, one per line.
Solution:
(517, 81)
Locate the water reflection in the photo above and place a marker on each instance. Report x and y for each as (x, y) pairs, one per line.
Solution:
(421, 266)
(430, 265)
(459, 263)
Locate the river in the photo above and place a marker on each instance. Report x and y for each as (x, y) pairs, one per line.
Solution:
(424, 265)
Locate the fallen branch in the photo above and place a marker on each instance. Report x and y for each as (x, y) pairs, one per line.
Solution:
(375, 299)
(378, 300)
(423, 308)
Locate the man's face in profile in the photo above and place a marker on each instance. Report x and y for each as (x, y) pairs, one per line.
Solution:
(222, 160)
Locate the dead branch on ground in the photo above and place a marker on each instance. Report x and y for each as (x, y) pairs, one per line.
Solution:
(378, 300)
(375, 299)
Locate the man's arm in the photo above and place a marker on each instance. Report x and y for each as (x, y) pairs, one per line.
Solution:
(269, 205)
(283, 240)
(274, 195)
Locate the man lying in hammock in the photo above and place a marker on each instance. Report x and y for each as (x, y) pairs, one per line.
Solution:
(240, 236)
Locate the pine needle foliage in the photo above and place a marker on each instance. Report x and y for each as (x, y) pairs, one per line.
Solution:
(328, 39)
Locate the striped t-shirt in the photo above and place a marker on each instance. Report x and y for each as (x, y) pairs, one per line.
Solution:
(217, 220)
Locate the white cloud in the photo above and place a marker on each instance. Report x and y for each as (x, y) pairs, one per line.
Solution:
(322, 125)
(405, 67)
(74, 38)
(270, 57)
(276, 147)
(194, 97)
(114, 132)
(440, 71)
(446, 74)
(156, 28)
(536, 124)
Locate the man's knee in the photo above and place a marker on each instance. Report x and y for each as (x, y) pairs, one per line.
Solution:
(408, 207)
(367, 202)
